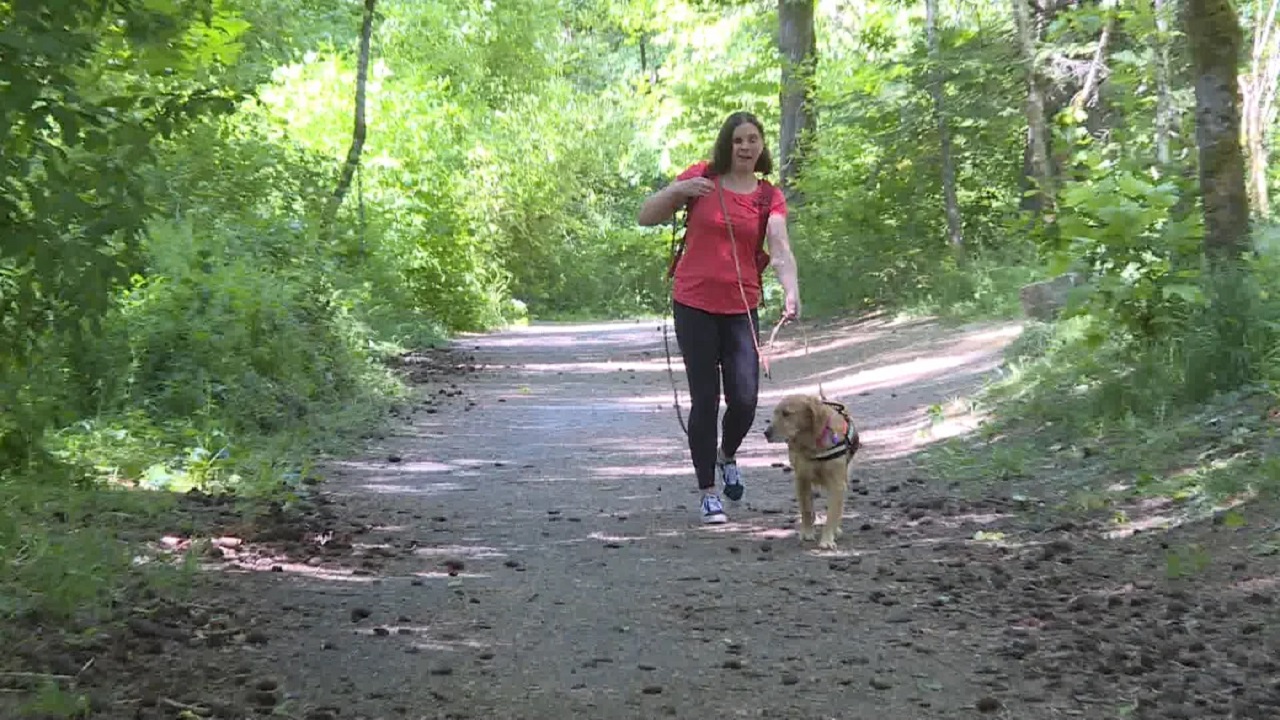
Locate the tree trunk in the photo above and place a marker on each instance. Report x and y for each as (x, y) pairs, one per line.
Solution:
(1165, 117)
(797, 42)
(1258, 89)
(1255, 140)
(950, 203)
(1042, 198)
(358, 132)
(1214, 34)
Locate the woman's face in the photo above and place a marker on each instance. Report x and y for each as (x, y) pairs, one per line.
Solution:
(747, 145)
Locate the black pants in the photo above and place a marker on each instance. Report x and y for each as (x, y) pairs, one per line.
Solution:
(716, 346)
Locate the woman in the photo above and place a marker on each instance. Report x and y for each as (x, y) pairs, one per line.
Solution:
(716, 294)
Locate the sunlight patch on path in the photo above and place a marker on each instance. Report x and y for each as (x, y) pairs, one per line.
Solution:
(893, 376)
(472, 551)
(598, 367)
(878, 378)
(379, 487)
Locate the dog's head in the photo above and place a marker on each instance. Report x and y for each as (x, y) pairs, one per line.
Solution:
(795, 417)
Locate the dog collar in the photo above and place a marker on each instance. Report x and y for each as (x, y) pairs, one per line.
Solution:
(833, 443)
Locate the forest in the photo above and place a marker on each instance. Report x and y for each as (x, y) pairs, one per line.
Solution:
(225, 219)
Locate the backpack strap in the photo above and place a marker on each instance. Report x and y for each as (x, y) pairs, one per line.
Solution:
(764, 201)
(680, 222)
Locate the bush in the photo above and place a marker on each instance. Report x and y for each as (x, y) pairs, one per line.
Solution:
(206, 354)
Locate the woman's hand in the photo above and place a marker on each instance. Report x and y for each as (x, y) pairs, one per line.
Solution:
(791, 306)
(693, 187)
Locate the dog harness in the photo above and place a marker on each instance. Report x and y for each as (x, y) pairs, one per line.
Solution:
(832, 442)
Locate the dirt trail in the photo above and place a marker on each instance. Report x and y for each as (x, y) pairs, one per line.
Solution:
(527, 546)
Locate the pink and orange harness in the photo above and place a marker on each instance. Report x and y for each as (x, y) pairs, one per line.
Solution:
(836, 442)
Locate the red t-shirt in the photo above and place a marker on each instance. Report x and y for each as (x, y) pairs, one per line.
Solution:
(705, 276)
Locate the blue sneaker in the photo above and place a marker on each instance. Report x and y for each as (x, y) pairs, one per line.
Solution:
(727, 469)
(712, 510)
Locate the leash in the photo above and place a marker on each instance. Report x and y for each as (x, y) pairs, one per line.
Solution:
(675, 394)
(803, 334)
(742, 290)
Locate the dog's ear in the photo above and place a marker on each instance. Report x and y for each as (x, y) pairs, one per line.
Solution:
(813, 412)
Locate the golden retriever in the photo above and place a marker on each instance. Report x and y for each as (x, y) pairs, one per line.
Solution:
(821, 441)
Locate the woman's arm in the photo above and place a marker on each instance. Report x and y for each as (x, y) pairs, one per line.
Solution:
(660, 206)
(784, 262)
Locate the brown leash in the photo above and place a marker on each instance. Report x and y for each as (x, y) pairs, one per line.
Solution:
(675, 394)
(805, 334)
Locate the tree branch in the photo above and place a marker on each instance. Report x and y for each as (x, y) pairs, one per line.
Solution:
(1091, 80)
(358, 132)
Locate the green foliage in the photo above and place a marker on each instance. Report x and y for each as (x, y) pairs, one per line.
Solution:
(202, 330)
(1184, 561)
(1115, 416)
(239, 334)
(88, 87)
(566, 229)
(1155, 330)
(490, 178)
(53, 701)
(168, 318)
(1160, 377)
(873, 230)
(64, 549)
(719, 62)
(1142, 258)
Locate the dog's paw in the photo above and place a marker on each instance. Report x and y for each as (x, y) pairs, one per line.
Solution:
(808, 534)
(827, 544)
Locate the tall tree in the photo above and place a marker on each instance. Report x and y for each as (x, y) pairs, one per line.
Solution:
(798, 45)
(1040, 170)
(358, 131)
(950, 204)
(1216, 40)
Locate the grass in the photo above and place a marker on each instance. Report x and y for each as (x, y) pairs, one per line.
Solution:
(78, 536)
(78, 558)
(78, 531)
(70, 551)
(1087, 433)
